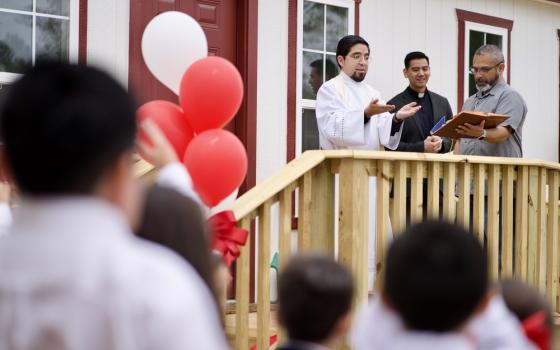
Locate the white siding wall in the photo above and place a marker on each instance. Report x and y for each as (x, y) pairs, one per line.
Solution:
(396, 27)
(107, 37)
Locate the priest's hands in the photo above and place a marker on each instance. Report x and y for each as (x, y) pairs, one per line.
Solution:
(407, 111)
(376, 108)
(432, 144)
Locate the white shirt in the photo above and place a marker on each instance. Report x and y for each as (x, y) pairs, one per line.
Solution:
(5, 218)
(340, 117)
(378, 327)
(72, 276)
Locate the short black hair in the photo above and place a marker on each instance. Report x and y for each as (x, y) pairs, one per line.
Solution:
(63, 125)
(347, 43)
(415, 55)
(524, 301)
(314, 293)
(436, 276)
(331, 70)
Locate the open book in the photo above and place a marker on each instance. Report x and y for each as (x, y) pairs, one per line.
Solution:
(448, 129)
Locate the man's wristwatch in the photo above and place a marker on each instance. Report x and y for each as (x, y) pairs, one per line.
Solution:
(483, 136)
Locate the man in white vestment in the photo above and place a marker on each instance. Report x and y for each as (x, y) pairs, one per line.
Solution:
(72, 275)
(352, 115)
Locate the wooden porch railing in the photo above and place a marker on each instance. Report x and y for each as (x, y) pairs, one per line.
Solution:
(530, 235)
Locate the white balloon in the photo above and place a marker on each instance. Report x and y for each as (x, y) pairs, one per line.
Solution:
(171, 42)
(225, 204)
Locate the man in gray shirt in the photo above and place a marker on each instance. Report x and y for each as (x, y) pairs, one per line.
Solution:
(496, 96)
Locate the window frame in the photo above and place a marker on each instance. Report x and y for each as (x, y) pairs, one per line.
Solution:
(474, 19)
(302, 103)
(73, 34)
(485, 29)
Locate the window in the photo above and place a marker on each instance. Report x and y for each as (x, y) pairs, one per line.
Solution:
(475, 30)
(321, 25)
(31, 30)
(477, 35)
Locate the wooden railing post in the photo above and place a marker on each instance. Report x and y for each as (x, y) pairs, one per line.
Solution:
(464, 207)
(478, 199)
(493, 230)
(541, 230)
(263, 282)
(433, 190)
(242, 290)
(553, 239)
(398, 220)
(507, 221)
(416, 189)
(382, 212)
(449, 204)
(322, 211)
(521, 209)
(532, 225)
(353, 222)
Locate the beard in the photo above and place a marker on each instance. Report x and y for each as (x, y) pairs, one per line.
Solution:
(358, 76)
(485, 85)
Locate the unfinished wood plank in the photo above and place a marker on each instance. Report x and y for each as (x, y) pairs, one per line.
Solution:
(479, 175)
(322, 209)
(542, 212)
(493, 230)
(553, 240)
(242, 281)
(398, 219)
(463, 206)
(285, 226)
(382, 212)
(434, 174)
(305, 213)
(521, 214)
(263, 281)
(532, 226)
(507, 221)
(416, 190)
(449, 202)
(353, 223)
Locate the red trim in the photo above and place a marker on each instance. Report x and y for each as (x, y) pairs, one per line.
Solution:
(292, 78)
(357, 16)
(82, 35)
(468, 16)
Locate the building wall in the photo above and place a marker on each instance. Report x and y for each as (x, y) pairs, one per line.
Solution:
(396, 27)
(107, 37)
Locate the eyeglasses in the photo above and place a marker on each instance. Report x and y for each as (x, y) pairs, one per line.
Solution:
(358, 57)
(483, 70)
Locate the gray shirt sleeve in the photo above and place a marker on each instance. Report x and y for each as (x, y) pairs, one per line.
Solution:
(512, 104)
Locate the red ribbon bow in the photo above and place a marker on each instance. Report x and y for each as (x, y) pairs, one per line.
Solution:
(227, 236)
(537, 331)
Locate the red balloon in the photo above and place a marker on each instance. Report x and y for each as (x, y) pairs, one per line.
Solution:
(211, 92)
(171, 120)
(217, 163)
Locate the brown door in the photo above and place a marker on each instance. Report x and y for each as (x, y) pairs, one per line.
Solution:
(218, 20)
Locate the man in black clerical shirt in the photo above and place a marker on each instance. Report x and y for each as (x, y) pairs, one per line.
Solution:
(416, 135)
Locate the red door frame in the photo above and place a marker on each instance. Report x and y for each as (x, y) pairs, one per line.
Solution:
(82, 32)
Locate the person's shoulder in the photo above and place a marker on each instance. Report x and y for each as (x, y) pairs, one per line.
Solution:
(397, 98)
(435, 95)
(511, 92)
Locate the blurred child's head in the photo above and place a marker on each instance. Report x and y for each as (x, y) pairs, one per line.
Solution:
(436, 276)
(314, 298)
(532, 310)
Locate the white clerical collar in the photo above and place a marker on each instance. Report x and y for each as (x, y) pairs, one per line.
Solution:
(348, 79)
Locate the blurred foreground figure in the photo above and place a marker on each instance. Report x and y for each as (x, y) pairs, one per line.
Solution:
(72, 274)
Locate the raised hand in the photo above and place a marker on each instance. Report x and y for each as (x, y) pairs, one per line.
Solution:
(376, 108)
(158, 150)
(408, 111)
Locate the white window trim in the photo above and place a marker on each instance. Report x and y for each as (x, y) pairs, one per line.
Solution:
(73, 37)
(486, 29)
(305, 103)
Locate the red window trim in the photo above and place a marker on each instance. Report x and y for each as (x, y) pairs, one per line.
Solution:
(292, 69)
(467, 16)
(82, 35)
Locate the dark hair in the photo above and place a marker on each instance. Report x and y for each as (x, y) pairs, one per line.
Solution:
(63, 125)
(176, 222)
(347, 43)
(415, 55)
(314, 293)
(331, 70)
(524, 301)
(436, 276)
